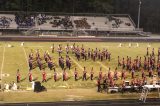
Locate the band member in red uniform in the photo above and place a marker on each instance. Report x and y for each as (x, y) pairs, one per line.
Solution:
(84, 77)
(37, 54)
(109, 74)
(123, 87)
(67, 49)
(123, 63)
(150, 72)
(91, 74)
(30, 76)
(119, 63)
(99, 85)
(100, 73)
(159, 72)
(111, 82)
(132, 72)
(55, 75)
(123, 76)
(147, 51)
(75, 74)
(18, 76)
(153, 52)
(31, 55)
(30, 61)
(116, 74)
(64, 75)
(143, 74)
(44, 76)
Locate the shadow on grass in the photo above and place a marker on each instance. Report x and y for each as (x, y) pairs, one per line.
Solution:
(68, 78)
(49, 78)
(35, 79)
(23, 79)
(88, 78)
(58, 79)
(79, 78)
(95, 78)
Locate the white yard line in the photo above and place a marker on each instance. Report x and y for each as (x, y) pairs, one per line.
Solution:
(102, 65)
(2, 62)
(33, 46)
(25, 54)
(77, 63)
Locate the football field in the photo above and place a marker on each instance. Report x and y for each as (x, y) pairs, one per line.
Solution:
(16, 57)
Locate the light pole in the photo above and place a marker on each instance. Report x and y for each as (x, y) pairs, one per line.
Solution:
(139, 13)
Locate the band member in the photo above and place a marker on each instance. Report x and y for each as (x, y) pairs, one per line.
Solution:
(101, 55)
(45, 57)
(123, 63)
(159, 72)
(89, 53)
(30, 64)
(64, 75)
(69, 64)
(67, 49)
(109, 74)
(18, 76)
(84, 77)
(37, 54)
(91, 74)
(85, 55)
(30, 76)
(55, 75)
(123, 76)
(76, 74)
(31, 55)
(39, 63)
(94, 56)
(53, 48)
(153, 52)
(44, 76)
(59, 50)
(158, 51)
(147, 51)
(143, 74)
(123, 87)
(133, 71)
(144, 81)
(116, 74)
(119, 63)
(61, 62)
(105, 83)
(150, 72)
(99, 85)
(111, 82)
(100, 73)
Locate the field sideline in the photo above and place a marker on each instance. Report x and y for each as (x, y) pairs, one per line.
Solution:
(16, 57)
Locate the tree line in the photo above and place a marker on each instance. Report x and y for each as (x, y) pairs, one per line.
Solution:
(150, 9)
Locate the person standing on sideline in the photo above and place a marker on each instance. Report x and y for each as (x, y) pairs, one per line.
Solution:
(18, 76)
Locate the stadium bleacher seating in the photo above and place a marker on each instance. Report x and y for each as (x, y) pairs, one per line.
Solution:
(50, 22)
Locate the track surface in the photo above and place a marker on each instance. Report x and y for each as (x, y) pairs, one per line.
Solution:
(79, 39)
(149, 102)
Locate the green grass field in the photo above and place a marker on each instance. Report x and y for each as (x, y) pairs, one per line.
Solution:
(16, 57)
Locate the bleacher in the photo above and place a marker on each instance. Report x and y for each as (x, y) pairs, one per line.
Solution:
(89, 24)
